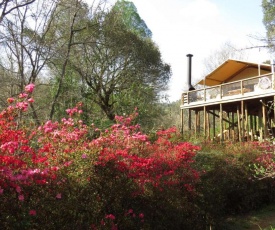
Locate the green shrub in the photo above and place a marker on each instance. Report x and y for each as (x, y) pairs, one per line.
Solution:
(228, 185)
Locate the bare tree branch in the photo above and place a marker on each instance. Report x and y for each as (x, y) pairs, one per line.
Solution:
(7, 6)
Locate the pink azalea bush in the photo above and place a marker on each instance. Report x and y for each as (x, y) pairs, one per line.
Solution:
(56, 177)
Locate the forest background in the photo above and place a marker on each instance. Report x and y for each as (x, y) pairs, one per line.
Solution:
(103, 57)
(69, 160)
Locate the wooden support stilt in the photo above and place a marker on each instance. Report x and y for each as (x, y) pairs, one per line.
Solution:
(221, 124)
(239, 124)
(189, 119)
(265, 135)
(242, 121)
(208, 126)
(204, 121)
(229, 127)
(260, 123)
(246, 121)
(214, 124)
(232, 120)
(197, 125)
(182, 120)
(256, 124)
(251, 128)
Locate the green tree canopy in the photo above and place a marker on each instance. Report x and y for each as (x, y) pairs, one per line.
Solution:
(105, 58)
(120, 67)
(131, 19)
(268, 7)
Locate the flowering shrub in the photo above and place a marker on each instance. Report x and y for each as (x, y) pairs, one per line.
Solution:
(229, 185)
(264, 165)
(155, 164)
(55, 177)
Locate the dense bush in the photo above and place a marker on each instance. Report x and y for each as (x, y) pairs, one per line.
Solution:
(229, 184)
(66, 175)
(56, 177)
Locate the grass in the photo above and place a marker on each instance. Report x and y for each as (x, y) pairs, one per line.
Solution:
(263, 219)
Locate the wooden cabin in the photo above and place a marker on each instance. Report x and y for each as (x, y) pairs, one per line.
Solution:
(234, 102)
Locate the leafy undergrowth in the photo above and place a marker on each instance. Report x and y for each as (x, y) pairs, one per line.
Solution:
(56, 176)
(67, 175)
(263, 219)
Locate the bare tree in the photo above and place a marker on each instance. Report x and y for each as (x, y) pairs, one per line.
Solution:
(73, 27)
(7, 6)
(26, 44)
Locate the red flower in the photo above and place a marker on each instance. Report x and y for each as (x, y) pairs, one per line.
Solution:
(29, 88)
(32, 212)
(110, 216)
(10, 100)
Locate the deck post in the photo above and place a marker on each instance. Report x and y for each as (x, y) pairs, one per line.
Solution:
(221, 124)
(239, 123)
(229, 128)
(189, 119)
(182, 119)
(214, 124)
(260, 124)
(264, 120)
(208, 126)
(197, 121)
(233, 132)
(256, 124)
(242, 121)
(246, 121)
(251, 127)
(204, 121)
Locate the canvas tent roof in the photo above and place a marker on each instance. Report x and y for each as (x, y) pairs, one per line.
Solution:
(228, 70)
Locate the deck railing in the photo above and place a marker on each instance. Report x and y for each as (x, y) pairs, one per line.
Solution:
(250, 86)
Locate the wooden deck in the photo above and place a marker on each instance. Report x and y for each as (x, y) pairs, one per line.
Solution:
(252, 88)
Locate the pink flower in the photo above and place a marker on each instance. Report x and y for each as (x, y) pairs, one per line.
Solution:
(18, 189)
(22, 105)
(10, 100)
(84, 156)
(68, 163)
(141, 215)
(68, 111)
(130, 211)
(23, 95)
(32, 212)
(21, 197)
(1, 191)
(30, 100)
(29, 88)
(114, 227)
(110, 216)
(58, 196)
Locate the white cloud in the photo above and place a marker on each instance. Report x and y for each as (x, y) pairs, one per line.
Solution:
(200, 12)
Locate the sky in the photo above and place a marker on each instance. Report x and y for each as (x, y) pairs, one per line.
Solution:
(201, 27)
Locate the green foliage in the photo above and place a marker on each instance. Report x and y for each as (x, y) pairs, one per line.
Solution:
(120, 70)
(56, 176)
(74, 53)
(229, 185)
(131, 18)
(269, 21)
(66, 175)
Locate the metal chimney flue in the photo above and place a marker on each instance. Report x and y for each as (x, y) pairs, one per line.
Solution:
(189, 72)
